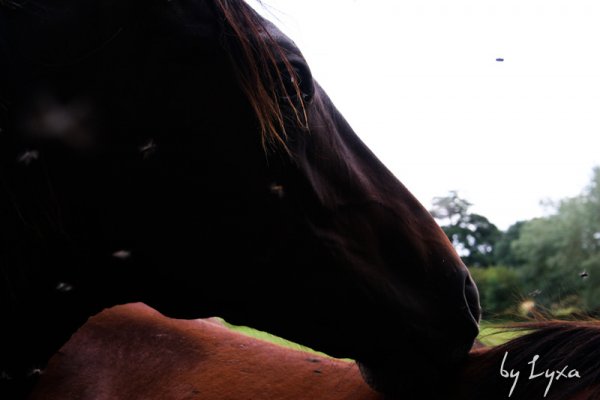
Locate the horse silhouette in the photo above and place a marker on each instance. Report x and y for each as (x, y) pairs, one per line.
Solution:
(180, 154)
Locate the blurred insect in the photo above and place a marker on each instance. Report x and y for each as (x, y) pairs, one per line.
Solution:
(277, 190)
(28, 157)
(122, 254)
(148, 149)
(64, 287)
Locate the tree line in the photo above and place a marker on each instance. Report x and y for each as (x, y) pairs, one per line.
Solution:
(549, 264)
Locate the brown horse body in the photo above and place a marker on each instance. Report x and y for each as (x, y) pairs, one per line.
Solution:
(133, 352)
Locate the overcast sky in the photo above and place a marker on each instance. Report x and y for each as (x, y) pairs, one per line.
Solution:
(419, 82)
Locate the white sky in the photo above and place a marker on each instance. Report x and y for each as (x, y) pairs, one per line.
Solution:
(419, 82)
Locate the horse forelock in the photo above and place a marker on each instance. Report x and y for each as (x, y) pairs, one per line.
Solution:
(261, 65)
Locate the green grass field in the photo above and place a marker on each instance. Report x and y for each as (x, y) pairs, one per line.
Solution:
(255, 333)
(490, 334)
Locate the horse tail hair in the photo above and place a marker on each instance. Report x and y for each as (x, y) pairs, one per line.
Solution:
(568, 350)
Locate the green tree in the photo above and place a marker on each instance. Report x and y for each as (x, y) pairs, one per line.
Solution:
(561, 252)
(504, 253)
(500, 290)
(473, 235)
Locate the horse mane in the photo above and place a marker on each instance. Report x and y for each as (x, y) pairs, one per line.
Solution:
(254, 55)
(558, 344)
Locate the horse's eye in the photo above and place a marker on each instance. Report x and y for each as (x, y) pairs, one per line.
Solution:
(302, 78)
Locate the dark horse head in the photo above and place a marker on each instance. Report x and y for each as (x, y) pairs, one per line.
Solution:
(179, 153)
